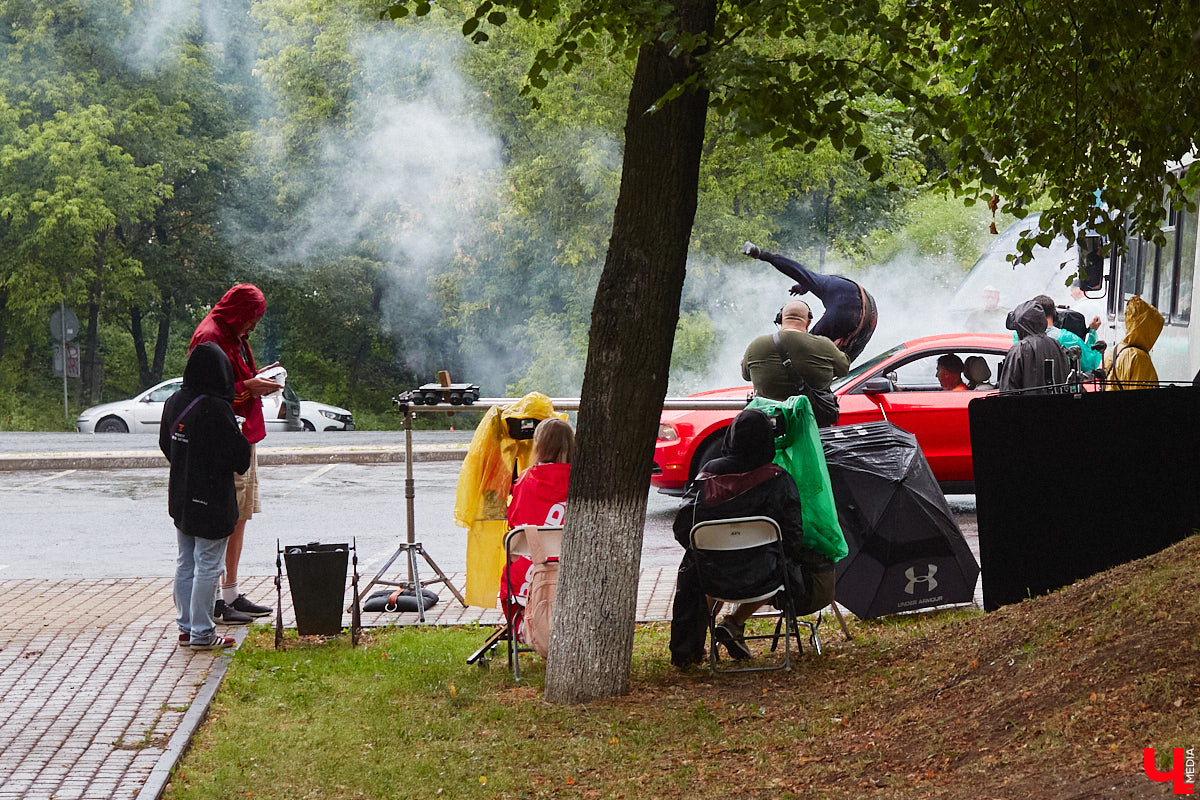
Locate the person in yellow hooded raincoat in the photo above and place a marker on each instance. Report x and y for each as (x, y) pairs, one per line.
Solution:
(1128, 365)
(484, 486)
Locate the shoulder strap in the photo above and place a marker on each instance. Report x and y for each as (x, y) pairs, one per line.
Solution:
(787, 363)
(197, 399)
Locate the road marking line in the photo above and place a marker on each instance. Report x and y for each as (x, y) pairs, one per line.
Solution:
(309, 478)
(41, 480)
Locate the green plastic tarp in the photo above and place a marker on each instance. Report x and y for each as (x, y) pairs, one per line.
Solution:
(799, 452)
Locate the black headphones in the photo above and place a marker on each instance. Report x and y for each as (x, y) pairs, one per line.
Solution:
(779, 316)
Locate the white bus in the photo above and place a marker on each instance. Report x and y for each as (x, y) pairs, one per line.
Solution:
(1163, 276)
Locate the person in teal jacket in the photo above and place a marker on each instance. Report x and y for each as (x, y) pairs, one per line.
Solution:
(1089, 357)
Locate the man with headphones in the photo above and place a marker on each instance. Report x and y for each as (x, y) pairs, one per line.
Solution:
(786, 362)
(850, 312)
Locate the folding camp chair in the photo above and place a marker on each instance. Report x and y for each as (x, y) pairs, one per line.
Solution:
(741, 560)
(516, 543)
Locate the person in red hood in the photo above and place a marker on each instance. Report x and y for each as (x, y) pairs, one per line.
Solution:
(539, 497)
(228, 325)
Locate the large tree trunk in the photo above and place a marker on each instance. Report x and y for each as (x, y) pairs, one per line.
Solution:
(166, 310)
(91, 355)
(139, 347)
(633, 328)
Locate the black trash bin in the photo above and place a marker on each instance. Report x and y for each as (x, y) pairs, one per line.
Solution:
(317, 577)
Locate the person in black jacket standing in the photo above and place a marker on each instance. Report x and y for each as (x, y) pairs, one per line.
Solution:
(201, 439)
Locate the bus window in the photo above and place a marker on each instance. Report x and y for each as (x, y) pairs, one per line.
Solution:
(1187, 266)
(1131, 270)
(1165, 274)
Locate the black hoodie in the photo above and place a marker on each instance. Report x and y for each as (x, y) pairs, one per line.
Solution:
(743, 482)
(199, 435)
(1025, 364)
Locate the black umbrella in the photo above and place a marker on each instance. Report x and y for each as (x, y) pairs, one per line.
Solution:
(906, 551)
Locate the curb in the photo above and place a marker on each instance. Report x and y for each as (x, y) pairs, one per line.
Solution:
(164, 769)
(78, 461)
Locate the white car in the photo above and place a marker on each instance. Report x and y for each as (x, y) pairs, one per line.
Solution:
(143, 413)
(316, 416)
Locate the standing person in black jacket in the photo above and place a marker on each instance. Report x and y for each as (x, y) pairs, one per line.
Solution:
(200, 436)
(743, 482)
(1036, 363)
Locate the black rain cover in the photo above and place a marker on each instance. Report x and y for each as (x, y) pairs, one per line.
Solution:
(906, 551)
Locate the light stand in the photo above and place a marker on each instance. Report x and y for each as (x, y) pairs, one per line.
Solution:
(410, 547)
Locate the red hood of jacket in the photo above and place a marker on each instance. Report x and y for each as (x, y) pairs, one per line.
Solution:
(240, 304)
(540, 495)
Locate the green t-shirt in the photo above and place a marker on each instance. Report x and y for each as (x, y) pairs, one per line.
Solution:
(815, 359)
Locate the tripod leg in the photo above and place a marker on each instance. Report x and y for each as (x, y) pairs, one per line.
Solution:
(378, 575)
(416, 581)
(445, 579)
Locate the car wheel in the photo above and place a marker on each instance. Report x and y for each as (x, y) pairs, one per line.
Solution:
(308, 426)
(112, 425)
(710, 449)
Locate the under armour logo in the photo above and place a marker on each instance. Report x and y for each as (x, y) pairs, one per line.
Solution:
(927, 579)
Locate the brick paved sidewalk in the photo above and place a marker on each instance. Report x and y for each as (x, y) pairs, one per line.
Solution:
(97, 700)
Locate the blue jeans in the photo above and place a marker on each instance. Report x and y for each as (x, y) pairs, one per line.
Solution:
(197, 571)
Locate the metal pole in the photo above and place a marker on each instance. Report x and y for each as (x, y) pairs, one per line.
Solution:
(62, 313)
(409, 490)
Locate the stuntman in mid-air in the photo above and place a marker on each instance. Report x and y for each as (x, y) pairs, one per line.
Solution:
(850, 312)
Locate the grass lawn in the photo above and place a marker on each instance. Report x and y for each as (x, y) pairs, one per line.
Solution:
(1051, 698)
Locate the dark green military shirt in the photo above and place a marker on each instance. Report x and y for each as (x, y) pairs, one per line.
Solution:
(815, 359)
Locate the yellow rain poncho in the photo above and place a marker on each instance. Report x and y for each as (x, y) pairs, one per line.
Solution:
(1128, 364)
(484, 485)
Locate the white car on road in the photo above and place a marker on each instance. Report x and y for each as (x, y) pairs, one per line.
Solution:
(142, 413)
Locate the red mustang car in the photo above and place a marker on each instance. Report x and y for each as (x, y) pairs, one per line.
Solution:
(898, 385)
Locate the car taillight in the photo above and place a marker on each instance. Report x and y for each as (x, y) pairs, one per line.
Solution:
(666, 433)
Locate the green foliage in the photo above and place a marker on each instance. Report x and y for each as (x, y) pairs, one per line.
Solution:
(1094, 100)
(939, 228)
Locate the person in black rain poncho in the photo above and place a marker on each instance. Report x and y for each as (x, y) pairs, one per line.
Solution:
(742, 482)
(1024, 366)
(201, 438)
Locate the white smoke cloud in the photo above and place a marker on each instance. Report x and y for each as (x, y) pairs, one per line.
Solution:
(912, 294)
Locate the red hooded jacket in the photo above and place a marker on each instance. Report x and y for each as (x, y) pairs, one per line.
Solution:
(540, 496)
(240, 304)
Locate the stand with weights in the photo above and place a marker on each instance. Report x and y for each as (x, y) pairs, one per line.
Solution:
(410, 547)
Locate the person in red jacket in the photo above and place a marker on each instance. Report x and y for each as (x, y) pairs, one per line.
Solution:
(228, 325)
(539, 497)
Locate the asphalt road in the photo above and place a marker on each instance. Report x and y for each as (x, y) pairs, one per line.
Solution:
(114, 523)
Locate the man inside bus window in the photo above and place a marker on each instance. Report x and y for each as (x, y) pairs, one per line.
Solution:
(990, 316)
(949, 373)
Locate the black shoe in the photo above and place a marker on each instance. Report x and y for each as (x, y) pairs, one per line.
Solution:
(230, 616)
(247, 607)
(730, 634)
(751, 249)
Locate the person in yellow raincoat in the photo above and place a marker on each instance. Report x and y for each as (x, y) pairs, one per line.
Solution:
(484, 485)
(1128, 365)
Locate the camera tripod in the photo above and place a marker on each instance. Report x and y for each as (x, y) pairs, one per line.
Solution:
(410, 548)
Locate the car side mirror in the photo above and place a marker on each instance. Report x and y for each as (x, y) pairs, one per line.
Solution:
(880, 385)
